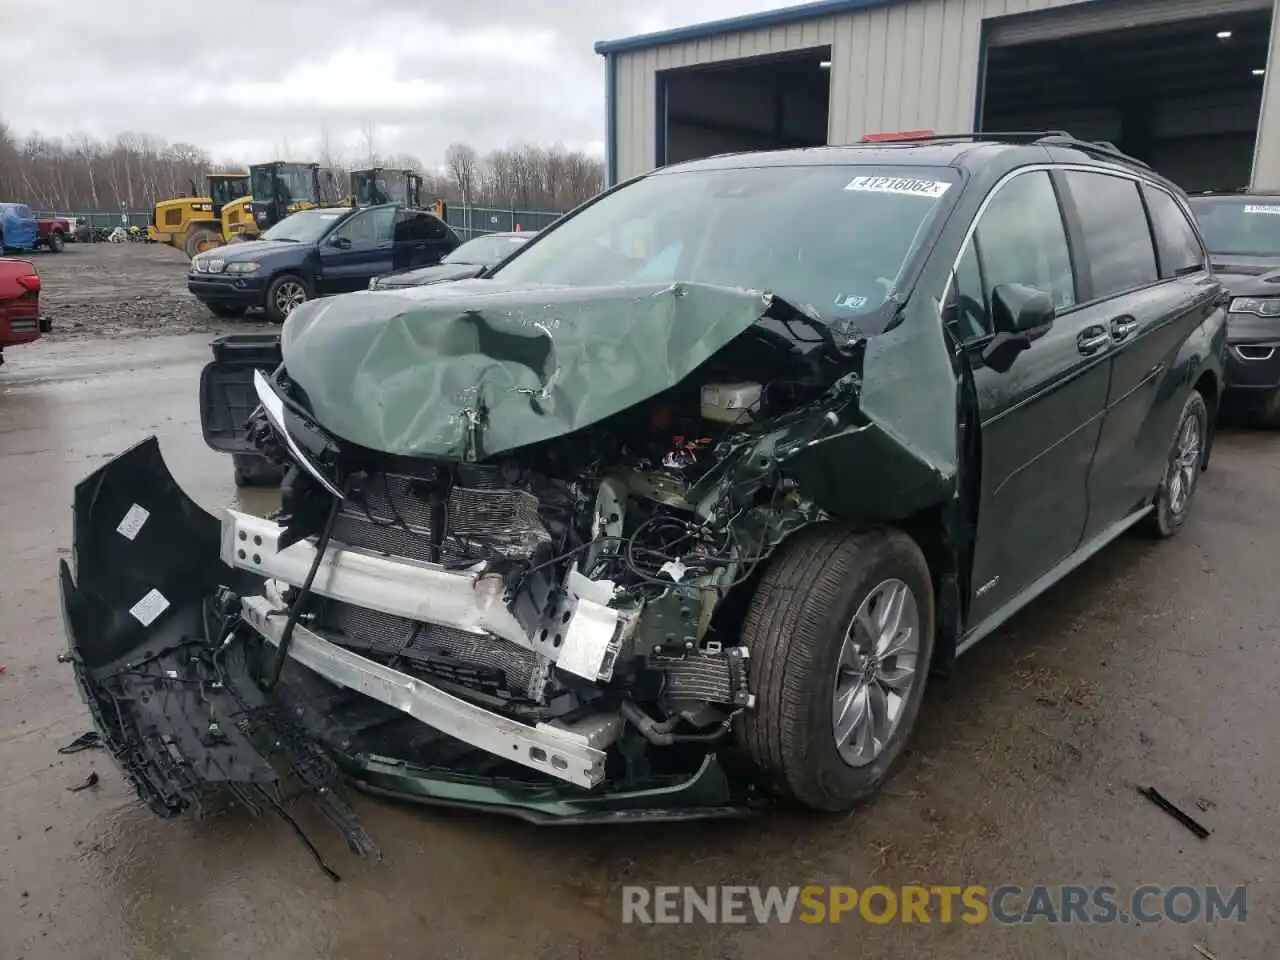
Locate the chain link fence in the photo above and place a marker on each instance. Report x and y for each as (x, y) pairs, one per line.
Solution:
(468, 222)
(95, 227)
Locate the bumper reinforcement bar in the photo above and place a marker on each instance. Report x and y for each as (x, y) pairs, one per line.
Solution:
(560, 753)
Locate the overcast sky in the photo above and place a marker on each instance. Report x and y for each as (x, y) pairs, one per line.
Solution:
(244, 78)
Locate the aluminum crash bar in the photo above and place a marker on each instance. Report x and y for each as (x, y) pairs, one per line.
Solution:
(559, 752)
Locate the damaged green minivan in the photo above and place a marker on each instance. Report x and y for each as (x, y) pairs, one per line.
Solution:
(676, 509)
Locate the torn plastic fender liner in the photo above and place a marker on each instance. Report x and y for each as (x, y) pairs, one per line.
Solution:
(146, 560)
(181, 714)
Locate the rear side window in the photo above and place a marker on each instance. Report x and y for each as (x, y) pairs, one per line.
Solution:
(413, 225)
(1176, 240)
(1117, 238)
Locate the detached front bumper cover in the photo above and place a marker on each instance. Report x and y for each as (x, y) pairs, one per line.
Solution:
(169, 641)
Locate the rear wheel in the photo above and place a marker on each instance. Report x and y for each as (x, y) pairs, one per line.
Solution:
(201, 239)
(1182, 471)
(286, 293)
(56, 241)
(841, 634)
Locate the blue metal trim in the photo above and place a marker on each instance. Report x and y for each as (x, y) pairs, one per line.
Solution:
(610, 121)
(750, 21)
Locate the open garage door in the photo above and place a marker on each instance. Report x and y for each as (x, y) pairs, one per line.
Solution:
(757, 103)
(1176, 83)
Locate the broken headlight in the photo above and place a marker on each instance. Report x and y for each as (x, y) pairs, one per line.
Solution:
(273, 405)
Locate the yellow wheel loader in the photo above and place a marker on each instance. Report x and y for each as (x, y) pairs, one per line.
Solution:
(376, 185)
(277, 189)
(194, 224)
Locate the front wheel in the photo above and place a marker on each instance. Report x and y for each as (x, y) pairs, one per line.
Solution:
(841, 632)
(285, 294)
(199, 240)
(1182, 471)
(56, 242)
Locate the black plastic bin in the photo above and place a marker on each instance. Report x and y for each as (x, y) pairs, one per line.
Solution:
(227, 399)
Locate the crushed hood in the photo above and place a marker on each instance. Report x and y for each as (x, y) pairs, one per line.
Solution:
(473, 368)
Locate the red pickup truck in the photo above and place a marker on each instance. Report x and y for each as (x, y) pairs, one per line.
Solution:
(20, 320)
(54, 232)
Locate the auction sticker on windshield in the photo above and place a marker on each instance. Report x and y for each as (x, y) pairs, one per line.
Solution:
(903, 185)
(1259, 208)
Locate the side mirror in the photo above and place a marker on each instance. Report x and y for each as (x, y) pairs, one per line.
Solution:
(1021, 310)
(1019, 314)
(342, 243)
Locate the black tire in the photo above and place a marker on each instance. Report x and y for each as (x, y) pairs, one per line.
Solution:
(795, 628)
(56, 241)
(227, 310)
(200, 239)
(274, 303)
(1169, 516)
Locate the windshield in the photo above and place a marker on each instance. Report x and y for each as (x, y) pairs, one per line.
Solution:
(287, 185)
(1244, 226)
(485, 251)
(836, 239)
(308, 226)
(224, 191)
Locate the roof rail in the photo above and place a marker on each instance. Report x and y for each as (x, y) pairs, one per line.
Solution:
(1009, 136)
(1055, 138)
(1097, 148)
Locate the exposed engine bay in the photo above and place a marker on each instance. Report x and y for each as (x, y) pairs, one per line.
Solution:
(606, 550)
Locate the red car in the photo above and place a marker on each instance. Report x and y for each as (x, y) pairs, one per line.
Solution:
(20, 320)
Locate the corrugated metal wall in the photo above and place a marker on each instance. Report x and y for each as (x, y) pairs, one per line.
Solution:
(903, 66)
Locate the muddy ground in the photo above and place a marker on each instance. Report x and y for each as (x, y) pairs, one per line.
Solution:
(1155, 664)
(117, 290)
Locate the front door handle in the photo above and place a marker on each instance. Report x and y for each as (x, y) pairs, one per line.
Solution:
(1121, 327)
(1092, 339)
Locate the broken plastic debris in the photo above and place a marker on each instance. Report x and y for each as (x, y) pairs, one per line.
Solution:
(90, 781)
(86, 741)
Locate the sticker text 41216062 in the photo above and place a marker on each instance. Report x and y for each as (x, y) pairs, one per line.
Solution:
(911, 186)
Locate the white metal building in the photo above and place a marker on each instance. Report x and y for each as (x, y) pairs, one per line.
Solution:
(1182, 84)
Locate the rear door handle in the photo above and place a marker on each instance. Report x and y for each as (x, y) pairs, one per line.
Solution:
(1092, 339)
(1121, 327)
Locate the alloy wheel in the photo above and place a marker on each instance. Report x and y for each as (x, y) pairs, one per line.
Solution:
(1186, 461)
(289, 295)
(875, 672)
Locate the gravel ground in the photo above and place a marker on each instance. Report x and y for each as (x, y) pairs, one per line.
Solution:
(123, 290)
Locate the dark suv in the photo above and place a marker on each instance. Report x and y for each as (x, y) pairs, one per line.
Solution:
(1242, 232)
(668, 512)
(315, 253)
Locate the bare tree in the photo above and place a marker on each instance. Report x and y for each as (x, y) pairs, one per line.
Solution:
(84, 175)
(463, 163)
(369, 140)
